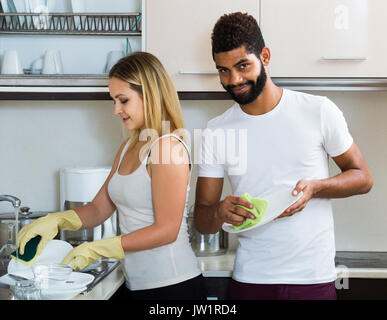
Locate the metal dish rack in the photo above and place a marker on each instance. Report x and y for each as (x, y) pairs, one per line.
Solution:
(91, 24)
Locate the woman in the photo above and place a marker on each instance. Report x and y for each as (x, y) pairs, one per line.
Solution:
(148, 185)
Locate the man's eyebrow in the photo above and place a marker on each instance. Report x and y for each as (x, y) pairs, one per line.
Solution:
(238, 63)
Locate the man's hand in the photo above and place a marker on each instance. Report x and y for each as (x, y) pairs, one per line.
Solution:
(308, 189)
(229, 212)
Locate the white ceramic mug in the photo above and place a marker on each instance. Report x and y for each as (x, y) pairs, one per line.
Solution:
(52, 62)
(112, 58)
(11, 63)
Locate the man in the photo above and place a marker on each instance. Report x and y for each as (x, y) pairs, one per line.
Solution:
(290, 136)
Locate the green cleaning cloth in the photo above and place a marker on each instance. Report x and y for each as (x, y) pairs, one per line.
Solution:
(258, 210)
(29, 255)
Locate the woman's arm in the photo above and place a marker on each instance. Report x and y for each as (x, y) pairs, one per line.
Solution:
(169, 187)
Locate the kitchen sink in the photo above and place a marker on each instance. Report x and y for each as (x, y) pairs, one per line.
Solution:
(100, 270)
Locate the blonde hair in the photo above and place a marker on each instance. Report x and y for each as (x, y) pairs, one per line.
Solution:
(146, 75)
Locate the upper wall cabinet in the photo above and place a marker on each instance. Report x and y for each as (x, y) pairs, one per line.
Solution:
(331, 38)
(178, 32)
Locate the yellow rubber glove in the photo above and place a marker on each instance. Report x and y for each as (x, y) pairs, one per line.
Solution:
(86, 253)
(47, 227)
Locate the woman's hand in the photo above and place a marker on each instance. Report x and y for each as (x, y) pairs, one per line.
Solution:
(47, 227)
(86, 253)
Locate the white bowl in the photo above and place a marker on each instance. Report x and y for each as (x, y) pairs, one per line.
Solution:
(51, 275)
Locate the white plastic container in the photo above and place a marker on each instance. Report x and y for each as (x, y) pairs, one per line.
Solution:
(78, 186)
(81, 184)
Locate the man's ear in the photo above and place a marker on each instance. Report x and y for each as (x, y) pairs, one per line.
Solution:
(265, 56)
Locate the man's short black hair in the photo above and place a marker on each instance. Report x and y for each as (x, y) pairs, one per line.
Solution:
(233, 30)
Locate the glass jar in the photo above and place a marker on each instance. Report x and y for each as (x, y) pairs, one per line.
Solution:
(26, 290)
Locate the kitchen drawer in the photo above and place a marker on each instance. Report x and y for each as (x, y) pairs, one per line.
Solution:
(217, 287)
(364, 289)
(314, 38)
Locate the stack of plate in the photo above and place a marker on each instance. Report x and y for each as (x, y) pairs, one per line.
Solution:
(53, 253)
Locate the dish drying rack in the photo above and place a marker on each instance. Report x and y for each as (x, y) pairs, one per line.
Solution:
(91, 24)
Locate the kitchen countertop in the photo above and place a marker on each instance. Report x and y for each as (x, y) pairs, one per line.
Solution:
(348, 264)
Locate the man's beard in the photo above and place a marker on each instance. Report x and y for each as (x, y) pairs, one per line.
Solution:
(255, 89)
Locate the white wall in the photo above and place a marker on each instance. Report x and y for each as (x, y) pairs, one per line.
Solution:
(37, 138)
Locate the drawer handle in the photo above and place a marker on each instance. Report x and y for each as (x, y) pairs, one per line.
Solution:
(205, 72)
(327, 58)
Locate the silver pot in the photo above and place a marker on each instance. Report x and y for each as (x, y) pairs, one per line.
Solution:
(206, 244)
(25, 217)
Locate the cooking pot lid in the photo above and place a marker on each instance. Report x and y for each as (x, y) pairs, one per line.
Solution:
(31, 215)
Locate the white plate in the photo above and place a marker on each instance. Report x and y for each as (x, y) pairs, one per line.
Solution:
(75, 281)
(54, 252)
(8, 280)
(279, 201)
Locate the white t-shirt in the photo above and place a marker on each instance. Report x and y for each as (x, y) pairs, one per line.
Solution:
(261, 153)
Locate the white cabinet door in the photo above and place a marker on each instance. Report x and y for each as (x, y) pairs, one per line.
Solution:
(178, 32)
(325, 38)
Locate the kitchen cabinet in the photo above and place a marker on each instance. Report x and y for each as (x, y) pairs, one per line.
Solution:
(178, 32)
(314, 38)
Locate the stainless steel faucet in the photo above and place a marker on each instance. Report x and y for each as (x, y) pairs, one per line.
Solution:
(15, 201)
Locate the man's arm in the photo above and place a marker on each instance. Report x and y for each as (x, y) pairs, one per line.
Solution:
(210, 213)
(355, 178)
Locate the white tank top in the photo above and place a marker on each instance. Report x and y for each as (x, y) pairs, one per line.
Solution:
(161, 266)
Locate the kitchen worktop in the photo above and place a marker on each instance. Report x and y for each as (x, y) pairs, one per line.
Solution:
(348, 264)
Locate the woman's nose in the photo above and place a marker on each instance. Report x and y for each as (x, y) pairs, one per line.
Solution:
(117, 109)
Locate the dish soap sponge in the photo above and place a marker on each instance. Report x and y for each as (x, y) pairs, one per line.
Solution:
(258, 210)
(29, 255)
